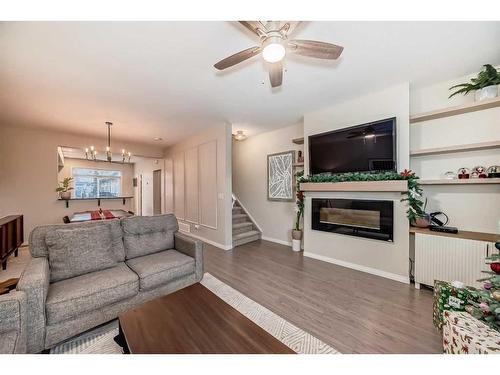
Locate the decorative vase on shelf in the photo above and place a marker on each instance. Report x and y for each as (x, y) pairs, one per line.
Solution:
(296, 239)
(421, 222)
(488, 92)
(65, 195)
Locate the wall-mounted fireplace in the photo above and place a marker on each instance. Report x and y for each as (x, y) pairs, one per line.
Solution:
(354, 217)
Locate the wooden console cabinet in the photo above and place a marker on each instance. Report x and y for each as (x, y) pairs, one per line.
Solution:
(11, 237)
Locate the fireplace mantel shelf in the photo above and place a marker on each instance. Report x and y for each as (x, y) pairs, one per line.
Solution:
(372, 186)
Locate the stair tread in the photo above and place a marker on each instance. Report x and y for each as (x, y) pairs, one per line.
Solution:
(246, 234)
(239, 216)
(241, 225)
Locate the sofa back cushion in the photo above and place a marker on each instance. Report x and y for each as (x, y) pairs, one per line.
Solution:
(38, 246)
(143, 235)
(77, 251)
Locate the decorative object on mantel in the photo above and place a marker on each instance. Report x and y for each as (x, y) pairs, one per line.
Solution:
(484, 85)
(463, 173)
(64, 188)
(412, 195)
(299, 208)
(450, 175)
(479, 172)
(280, 176)
(91, 152)
(494, 171)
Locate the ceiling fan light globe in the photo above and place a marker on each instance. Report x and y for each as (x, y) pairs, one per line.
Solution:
(273, 52)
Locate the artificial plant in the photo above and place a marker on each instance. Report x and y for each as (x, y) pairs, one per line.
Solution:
(64, 185)
(413, 195)
(299, 199)
(487, 77)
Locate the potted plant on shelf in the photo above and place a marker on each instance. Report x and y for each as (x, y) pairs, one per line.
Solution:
(299, 209)
(484, 85)
(64, 189)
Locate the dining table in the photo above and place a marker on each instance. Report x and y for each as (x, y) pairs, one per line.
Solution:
(79, 217)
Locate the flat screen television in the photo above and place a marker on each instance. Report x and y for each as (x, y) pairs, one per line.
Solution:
(368, 147)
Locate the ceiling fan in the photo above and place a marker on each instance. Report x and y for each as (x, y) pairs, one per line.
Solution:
(364, 133)
(274, 44)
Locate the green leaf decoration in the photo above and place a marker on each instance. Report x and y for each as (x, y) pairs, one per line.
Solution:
(489, 76)
(412, 196)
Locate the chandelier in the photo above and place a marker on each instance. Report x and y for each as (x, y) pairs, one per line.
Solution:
(91, 152)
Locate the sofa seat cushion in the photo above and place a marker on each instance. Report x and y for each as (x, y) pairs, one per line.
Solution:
(143, 235)
(160, 268)
(71, 297)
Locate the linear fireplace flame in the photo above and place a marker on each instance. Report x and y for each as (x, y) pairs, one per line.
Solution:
(354, 217)
(350, 217)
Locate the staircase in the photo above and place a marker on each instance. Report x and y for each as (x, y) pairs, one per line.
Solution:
(244, 230)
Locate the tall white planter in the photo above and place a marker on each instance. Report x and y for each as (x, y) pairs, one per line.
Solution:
(486, 93)
(296, 245)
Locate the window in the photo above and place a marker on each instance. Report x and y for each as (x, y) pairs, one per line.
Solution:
(97, 183)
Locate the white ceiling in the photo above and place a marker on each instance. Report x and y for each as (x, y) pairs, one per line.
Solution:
(156, 79)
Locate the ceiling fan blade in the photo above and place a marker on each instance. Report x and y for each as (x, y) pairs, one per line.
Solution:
(255, 27)
(313, 48)
(237, 58)
(276, 74)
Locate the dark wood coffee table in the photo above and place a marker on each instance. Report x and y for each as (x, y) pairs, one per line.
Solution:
(193, 320)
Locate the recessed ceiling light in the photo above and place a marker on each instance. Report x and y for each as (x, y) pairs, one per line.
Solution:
(158, 138)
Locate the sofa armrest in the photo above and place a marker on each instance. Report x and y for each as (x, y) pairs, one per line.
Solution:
(192, 248)
(35, 283)
(13, 323)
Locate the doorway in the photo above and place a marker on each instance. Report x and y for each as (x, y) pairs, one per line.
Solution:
(157, 192)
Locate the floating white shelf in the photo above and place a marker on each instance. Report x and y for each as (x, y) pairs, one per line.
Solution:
(298, 141)
(459, 148)
(395, 185)
(469, 181)
(458, 110)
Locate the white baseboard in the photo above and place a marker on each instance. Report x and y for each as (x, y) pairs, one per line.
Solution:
(213, 243)
(357, 267)
(281, 242)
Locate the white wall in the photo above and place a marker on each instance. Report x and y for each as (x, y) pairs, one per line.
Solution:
(474, 208)
(190, 193)
(276, 219)
(28, 173)
(379, 257)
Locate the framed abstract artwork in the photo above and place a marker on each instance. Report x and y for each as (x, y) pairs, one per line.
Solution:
(280, 183)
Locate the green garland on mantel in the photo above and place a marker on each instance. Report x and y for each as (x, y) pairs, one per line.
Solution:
(412, 195)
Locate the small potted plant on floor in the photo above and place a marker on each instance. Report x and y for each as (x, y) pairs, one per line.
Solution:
(299, 209)
(64, 189)
(484, 85)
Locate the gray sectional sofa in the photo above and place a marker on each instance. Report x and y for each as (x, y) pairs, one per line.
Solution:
(85, 274)
(13, 323)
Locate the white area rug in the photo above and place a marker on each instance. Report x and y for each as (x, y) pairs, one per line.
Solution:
(100, 340)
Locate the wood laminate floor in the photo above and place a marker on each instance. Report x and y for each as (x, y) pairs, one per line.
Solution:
(352, 311)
